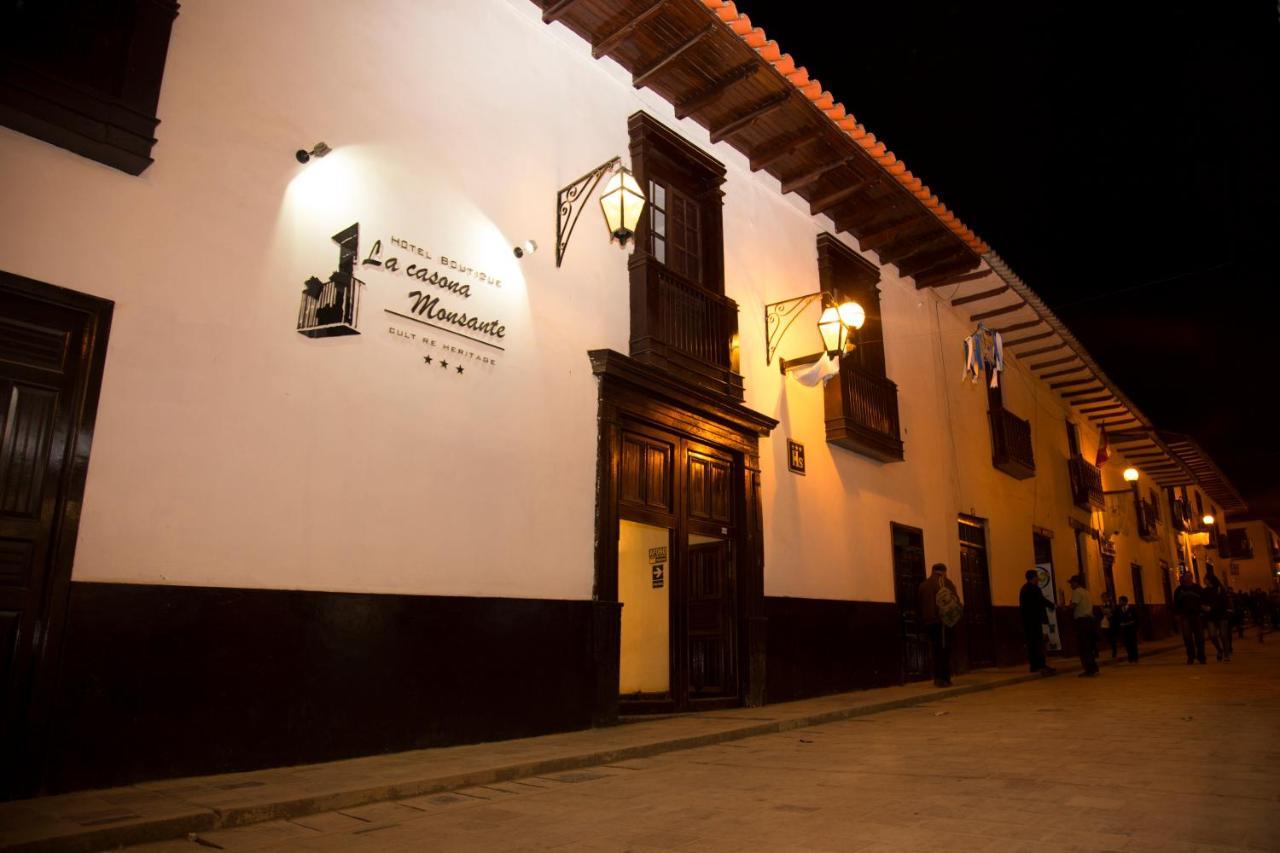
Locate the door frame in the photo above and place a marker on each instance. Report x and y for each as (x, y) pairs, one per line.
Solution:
(985, 550)
(33, 724)
(921, 637)
(637, 394)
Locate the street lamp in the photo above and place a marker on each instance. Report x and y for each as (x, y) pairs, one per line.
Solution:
(1131, 475)
(835, 324)
(621, 202)
(1208, 520)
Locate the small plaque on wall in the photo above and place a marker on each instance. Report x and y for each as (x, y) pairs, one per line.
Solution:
(795, 456)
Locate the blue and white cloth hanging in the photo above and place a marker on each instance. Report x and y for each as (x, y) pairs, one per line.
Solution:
(983, 349)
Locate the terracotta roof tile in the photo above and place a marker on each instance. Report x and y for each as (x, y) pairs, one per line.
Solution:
(783, 63)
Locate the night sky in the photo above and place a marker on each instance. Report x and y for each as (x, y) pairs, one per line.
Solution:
(1121, 156)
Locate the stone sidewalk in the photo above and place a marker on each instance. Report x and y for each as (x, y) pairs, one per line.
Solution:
(97, 820)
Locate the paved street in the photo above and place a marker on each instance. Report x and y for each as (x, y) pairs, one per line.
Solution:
(1160, 756)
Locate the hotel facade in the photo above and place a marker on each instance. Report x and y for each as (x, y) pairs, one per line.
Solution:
(303, 461)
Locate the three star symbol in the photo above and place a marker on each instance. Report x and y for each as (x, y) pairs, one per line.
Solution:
(444, 365)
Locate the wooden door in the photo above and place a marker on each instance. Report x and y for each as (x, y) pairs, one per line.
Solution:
(49, 364)
(710, 609)
(1140, 600)
(976, 582)
(908, 574)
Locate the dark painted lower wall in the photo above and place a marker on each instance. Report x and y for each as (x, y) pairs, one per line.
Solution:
(819, 646)
(163, 681)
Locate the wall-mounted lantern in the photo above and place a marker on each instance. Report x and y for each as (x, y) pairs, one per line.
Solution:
(835, 326)
(1131, 475)
(621, 202)
(1208, 520)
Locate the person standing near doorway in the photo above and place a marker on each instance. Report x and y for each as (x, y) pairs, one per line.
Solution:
(1086, 627)
(939, 612)
(1187, 601)
(1216, 624)
(1033, 607)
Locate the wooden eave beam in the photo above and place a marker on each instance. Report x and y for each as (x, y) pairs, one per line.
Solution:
(1028, 339)
(923, 264)
(873, 239)
(1082, 392)
(555, 11)
(800, 181)
(1070, 382)
(902, 251)
(1064, 372)
(1121, 422)
(613, 39)
(1103, 409)
(643, 77)
(1085, 400)
(1054, 361)
(703, 98)
(768, 105)
(1043, 350)
(958, 261)
(996, 312)
(976, 297)
(831, 199)
(1018, 327)
(772, 152)
(947, 280)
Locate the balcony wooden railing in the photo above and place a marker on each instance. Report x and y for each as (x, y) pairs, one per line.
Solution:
(1148, 519)
(1011, 445)
(679, 325)
(1180, 515)
(1086, 483)
(862, 413)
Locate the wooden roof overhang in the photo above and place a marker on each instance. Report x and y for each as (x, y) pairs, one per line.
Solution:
(1206, 474)
(718, 69)
(715, 68)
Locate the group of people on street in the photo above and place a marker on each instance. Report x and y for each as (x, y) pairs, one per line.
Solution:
(1212, 609)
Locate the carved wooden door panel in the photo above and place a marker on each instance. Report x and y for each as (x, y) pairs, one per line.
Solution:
(908, 574)
(710, 611)
(40, 366)
(976, 583)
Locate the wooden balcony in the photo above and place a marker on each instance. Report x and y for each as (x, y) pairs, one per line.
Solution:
(1148, 519)
(1011, 449)
(682, 327)
(1086, 483)
(862, 413)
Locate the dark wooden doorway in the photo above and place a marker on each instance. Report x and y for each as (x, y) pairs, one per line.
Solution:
(908, 574)
(1140, 601)
(665, 479)
(976, 584)
(52, 347)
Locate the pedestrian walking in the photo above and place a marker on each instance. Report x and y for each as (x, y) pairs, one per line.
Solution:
(1034, 609)
(1215, 608)
(1086, 627)
(1187, 603)
(1126, 618)
(1235, 611)
(940, 610)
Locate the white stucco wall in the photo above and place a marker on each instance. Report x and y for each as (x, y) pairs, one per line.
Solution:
(232, 451)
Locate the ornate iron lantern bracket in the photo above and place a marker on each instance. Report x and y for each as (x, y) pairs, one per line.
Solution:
(778, 317)
(570, 201)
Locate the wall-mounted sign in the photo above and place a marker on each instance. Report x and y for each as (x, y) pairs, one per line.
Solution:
(658, 566)
(458, 338)
(795, 456)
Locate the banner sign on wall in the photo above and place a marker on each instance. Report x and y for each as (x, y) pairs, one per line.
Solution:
(432, 311)
(1044, 577)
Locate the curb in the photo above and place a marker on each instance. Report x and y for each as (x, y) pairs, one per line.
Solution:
(203, 819)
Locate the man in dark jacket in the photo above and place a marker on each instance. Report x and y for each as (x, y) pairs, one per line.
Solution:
(939, 634)
(1034, 607)
(1216, 624)
(1187, 600)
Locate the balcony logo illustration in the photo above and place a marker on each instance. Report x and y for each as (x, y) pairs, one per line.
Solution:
(331, 308)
